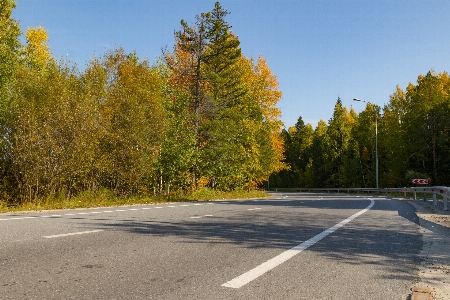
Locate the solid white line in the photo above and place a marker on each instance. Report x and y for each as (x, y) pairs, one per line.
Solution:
(69, 234)
(277, 260)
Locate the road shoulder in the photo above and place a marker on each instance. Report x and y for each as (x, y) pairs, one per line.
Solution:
(434, 271)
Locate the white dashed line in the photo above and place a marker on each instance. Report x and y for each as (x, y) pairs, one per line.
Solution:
(107, 211)
(69, 234)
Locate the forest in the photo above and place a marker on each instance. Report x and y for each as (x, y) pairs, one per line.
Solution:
(413, 133)
(203, 116)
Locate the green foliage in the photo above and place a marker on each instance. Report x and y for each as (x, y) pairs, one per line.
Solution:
(413, 142)
(203, 119)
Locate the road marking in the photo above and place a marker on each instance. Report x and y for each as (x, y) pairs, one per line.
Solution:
(70, 214)
(120, 210)
(69, 234)
(195, 217)
(281, 258)
(107, 211)
(144, 208)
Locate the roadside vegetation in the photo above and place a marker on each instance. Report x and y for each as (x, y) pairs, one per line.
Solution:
(201, 123)
(413, 141)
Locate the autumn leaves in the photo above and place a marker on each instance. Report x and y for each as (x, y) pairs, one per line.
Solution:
(204, 116)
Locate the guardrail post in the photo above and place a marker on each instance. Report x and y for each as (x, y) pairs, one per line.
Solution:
(424, 197)
(415, 195)
(434, 199)
(404, 193)
(445, 203)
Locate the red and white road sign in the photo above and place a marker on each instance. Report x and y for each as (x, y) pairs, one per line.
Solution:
(420, 181)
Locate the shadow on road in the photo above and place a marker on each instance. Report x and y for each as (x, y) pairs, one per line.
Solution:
(387, 235)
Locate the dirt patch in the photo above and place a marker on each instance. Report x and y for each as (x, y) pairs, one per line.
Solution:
(434, 270)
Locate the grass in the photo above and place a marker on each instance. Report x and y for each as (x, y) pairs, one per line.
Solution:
(105, 198)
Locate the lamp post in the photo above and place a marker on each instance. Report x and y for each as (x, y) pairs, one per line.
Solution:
(376, 140)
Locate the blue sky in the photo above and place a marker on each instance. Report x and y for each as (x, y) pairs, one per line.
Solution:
(319, 50)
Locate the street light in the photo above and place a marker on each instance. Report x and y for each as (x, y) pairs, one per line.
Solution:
(376, 139)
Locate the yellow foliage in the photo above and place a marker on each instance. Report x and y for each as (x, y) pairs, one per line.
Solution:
(37, 51)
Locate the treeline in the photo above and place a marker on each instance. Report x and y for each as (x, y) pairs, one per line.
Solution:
(203, 116)
(413, 142)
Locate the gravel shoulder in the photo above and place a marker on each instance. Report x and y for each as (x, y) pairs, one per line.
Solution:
(434, 271)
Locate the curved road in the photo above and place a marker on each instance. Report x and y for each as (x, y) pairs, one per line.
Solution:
(291, 246)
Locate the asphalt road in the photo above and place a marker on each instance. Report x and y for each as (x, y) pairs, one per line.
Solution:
(292, 246)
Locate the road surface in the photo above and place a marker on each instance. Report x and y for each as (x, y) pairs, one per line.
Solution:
(291, 246)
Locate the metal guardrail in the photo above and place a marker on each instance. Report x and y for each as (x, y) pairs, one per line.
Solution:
(442, 191)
